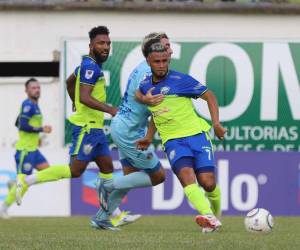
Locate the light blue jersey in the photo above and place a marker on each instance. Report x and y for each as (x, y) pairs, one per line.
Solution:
(132, 114)
(130, 124)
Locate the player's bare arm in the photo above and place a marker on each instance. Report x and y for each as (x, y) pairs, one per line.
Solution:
(71, 86)
(149, 99)
(213, 107)
(144, 143)
(87, 99)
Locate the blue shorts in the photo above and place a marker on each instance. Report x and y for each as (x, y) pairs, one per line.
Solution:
(193, 150)
(129, 155)
(88, 145)
(27, 161)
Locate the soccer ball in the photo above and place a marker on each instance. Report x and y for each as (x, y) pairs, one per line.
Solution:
(259, 220)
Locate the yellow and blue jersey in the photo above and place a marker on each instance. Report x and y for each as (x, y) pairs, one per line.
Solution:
(89, 73)
(175, 117)
(29, 124)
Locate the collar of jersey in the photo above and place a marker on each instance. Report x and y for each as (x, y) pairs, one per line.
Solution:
(88, 56)
(153, 83)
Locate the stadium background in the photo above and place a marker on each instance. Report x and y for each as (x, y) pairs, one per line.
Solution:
(253, 53)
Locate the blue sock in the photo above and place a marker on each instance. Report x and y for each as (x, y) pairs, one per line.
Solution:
(133, 180)
(102, 215)
(115, 199)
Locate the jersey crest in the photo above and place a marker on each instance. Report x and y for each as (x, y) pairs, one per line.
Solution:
(89, 74)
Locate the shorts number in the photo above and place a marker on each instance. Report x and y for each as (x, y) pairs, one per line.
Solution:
(209, 153)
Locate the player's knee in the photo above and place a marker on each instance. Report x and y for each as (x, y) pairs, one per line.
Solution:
(75, 173)
(209, 186)
(158, 179)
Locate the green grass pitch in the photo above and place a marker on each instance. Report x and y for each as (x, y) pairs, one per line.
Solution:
(150, 232)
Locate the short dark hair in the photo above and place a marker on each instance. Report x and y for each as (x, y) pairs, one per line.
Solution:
(29, 81)
(150, 39)
(99, 30)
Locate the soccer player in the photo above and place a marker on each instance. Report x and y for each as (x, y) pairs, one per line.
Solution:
(141, 168)
(29, 123)
(184, 134)
(89, 142)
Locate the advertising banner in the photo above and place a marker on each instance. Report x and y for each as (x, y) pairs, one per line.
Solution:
(247, 180)
(256, 83)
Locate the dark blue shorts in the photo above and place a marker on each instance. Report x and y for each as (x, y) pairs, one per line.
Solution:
(194, 151)
(88, 144)
(27, 161)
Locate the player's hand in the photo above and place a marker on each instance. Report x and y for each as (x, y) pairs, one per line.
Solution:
(143, 144)
(152, 100)
(220, 131)
(73, 107)
(47, 129)
(113, 111)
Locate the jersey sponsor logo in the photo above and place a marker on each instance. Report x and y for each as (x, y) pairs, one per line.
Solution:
(161, 111)
(87, 149)
(123, 110)
(172, 155)
(89, 74)
(26, 108)
(27, 166)
(165, 90)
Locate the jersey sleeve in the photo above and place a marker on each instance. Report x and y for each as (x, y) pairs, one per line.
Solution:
(143, 73)
(28, 110)
(143, 87)
(89, 74)
(192, 88)
(76, 71)
(23, 124)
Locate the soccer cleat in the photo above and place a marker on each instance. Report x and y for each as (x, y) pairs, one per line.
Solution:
(21, 189)
(3, 212)
(124, 218)
(208, 221)
(206, 230)
(103, 224)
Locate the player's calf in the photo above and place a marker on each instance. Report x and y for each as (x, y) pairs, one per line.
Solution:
(157, 177)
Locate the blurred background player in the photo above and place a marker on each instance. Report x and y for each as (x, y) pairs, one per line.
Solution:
(141, 168)
(89, 142)
(29, 123)
(184, 134)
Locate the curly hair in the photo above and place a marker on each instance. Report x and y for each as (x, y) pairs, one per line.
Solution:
(99, 30)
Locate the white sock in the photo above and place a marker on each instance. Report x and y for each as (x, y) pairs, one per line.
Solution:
(30, 179)
(116, 213)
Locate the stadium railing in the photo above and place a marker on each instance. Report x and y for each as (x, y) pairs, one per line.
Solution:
(231, 6)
